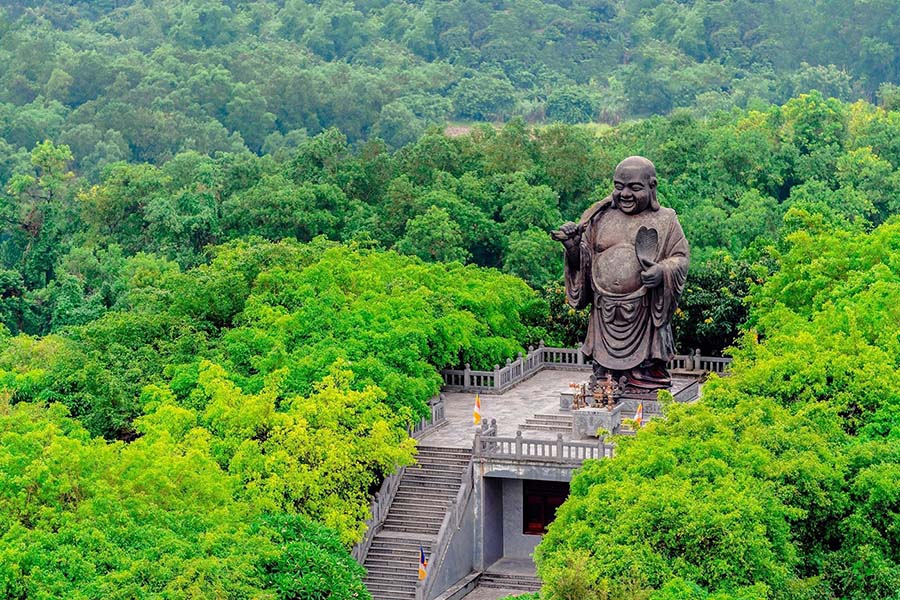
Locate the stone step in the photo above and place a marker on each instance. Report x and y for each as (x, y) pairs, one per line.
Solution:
(433, 493)
(383, 546)
(428, 472)
(411, 511)
(563, 418)
(388, 548)
(446, 449)
(448, 453)
(549, 422)
(393, 572)
(380, 560)
(424, 496)
(439, 490)
(414, 474)
(436, 468)
(425, 485)
(526, 583)
(391, 595)
(439, 481)
(443, 458)
(402, 525)
(391, 577)
(433, 478)
(432, 512)
(385, 540)
(417, 521)
(545, 427)
(437, 502)
(377, 563)
(381, 590)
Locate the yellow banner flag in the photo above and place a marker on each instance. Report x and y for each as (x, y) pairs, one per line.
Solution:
(476, 414)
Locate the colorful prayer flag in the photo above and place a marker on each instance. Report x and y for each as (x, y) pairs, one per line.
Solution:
(639, 415)
(477, 412)
(422, 563)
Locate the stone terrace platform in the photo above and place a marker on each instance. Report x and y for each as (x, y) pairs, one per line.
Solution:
(540, 394)
(537, 395)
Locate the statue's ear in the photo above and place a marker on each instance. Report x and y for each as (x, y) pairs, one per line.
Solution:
(654, 202)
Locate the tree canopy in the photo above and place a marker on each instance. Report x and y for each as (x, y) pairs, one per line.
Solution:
(144, 81)
(250, 407)
(781, 482)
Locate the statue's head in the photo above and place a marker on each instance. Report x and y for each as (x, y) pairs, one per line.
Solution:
(635, 186)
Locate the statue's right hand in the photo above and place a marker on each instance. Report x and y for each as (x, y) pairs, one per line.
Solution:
(569, 234)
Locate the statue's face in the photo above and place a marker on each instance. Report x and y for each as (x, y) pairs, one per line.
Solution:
(633, 189)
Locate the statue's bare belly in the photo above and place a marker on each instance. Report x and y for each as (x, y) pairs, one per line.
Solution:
(616, 269)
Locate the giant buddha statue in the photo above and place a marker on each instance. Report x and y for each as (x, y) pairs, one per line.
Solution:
(627, 258)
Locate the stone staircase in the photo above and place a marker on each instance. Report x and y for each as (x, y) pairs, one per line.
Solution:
(509, 581)
(414, 518)
(557, 423)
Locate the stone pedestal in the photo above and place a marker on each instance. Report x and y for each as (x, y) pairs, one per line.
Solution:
(586, 421)
(566, 399)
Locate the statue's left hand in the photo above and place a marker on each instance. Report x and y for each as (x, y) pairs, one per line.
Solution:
(652, 277)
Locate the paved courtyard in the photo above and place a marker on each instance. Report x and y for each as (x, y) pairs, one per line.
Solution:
(538, 395)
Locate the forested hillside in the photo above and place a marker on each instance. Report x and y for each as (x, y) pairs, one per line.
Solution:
(238, 240)
(487, 198)
(144, 80)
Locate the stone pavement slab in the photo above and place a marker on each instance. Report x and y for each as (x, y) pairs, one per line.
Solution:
(514, 566)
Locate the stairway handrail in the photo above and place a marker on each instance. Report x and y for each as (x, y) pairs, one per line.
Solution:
(452, 519)
(379, 508)
(423, 425)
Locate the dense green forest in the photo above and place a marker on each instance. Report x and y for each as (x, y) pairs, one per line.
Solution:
(195, 313)
(784, 481)
(739, 180)
(145, 80)
(250, 407)
(238, 241)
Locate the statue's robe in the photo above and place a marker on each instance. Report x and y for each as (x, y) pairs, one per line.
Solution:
(629, 323)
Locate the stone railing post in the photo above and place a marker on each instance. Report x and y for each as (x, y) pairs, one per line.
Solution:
(467, 377)
(519, 445)
(496, 377)
(559, 447)
(695, 360)
(476, 445)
